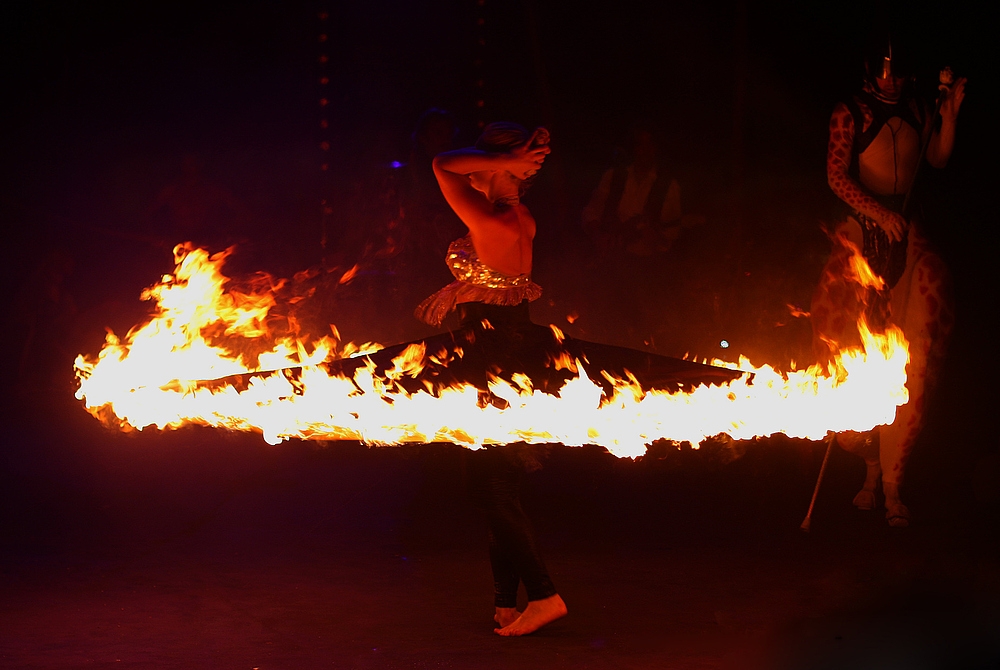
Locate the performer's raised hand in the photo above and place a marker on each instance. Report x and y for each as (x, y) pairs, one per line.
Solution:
(526, 159)
(953, 100)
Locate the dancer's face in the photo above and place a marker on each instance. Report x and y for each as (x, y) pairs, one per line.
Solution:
(891, 86)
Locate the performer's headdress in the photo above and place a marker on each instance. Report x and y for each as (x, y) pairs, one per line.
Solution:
(884, 59)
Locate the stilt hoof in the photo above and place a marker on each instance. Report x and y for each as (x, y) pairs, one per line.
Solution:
(865, 500)
(898, 515)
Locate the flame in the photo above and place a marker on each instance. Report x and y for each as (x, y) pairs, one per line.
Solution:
(205, 329)
(860, 271)
(349, 275)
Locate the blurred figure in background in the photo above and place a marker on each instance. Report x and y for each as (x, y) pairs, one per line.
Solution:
(430, 221)
(192, 208)
(633, 218)
(636, 207)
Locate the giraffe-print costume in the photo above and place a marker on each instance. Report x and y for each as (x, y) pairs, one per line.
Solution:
(917, 298)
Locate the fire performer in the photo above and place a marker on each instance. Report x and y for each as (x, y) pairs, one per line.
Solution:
(496, 339)
(492, 266)
(878, 139)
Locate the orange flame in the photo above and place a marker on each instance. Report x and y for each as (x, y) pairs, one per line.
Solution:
(202, 331)
(349, 275)
(861, 272)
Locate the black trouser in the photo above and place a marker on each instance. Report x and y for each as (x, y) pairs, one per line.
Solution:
(495, 476)
(470, 313)
(497, 473)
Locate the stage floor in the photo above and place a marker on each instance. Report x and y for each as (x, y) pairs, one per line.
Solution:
(201, 549)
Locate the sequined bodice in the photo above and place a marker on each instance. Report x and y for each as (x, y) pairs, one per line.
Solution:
(464, 263)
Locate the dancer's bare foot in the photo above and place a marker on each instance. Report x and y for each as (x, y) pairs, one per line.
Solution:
(865, 500)
(898, 515)
(505, 616)
(535, 615)
(896, 512)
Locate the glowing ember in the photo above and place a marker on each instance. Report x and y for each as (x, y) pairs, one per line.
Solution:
(278, 385)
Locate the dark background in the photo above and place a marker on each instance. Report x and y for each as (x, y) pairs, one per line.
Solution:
(104, 102)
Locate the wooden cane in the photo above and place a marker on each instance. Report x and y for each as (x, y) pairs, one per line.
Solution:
(943, 90)
(807, 522)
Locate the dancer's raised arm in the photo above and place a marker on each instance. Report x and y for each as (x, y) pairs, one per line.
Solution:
(471, 179)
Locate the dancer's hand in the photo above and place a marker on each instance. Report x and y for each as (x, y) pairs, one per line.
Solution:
(893, 224)
(526, 160)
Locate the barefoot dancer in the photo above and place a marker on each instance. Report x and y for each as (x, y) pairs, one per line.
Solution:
(492, 266)
(496, 339)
